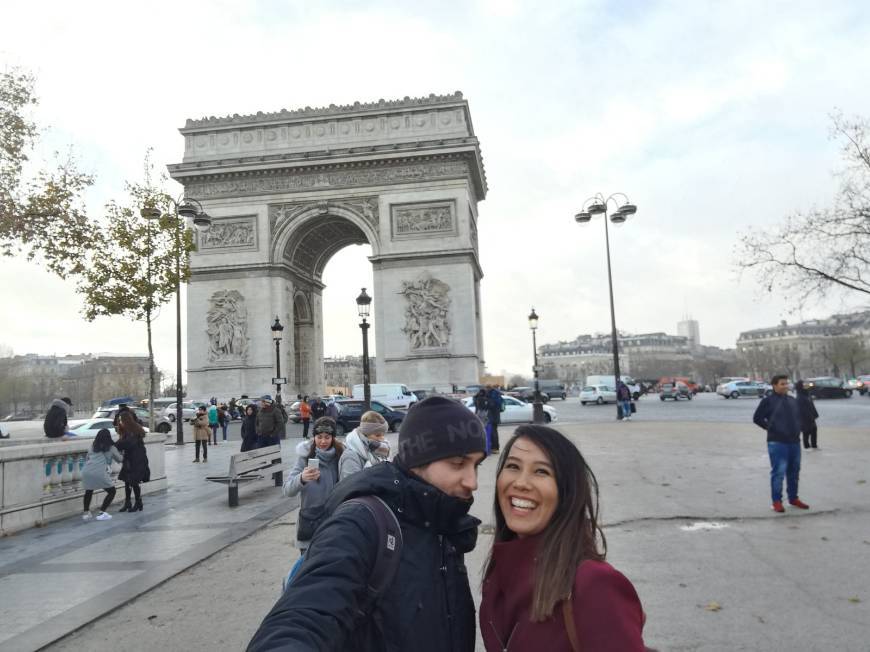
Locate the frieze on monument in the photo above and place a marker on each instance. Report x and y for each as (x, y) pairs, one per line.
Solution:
(365, 206)
(426, 313)
(288, 181)
(421, 220)
(227, 327)
(235, 233)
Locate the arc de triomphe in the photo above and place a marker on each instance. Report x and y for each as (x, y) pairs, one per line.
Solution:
(288, 190)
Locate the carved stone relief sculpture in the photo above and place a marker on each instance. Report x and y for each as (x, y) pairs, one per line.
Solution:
(229, 233)
(420, 220)
(227, 330)
(426, 313)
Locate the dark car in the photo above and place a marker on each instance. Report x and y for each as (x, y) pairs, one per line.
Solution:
(827, 388)
(349, 413)
(675, 391)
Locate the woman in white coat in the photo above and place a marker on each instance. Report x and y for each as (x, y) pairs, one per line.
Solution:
(365, 445)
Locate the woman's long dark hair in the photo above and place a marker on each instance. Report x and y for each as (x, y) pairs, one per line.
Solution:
(128, 425)
(572, 535)
(103, 441)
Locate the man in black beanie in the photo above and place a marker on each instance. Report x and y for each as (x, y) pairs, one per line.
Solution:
(330, 604)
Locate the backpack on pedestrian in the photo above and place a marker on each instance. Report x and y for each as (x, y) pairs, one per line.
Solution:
(389, 549)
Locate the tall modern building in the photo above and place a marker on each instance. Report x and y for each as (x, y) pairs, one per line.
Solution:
(689, 329)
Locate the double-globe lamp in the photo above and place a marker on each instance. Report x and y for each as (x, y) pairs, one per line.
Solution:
(183, 209)
(277, 332)
(597, 205)
(537, 405)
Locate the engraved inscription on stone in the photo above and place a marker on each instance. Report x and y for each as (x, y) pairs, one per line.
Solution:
(227, 327)
(418, 220)
(235, 233)
(426, 313)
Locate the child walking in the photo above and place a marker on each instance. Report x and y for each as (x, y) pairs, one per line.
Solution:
(96, 475)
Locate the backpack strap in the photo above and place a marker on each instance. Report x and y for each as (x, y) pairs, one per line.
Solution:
(389, 551)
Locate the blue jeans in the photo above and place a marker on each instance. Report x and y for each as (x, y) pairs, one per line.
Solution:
(626, 408)
(785, 460)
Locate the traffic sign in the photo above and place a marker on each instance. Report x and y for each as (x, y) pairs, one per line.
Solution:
(279, 381)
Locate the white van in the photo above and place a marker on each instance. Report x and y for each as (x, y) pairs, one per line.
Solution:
(393, 395)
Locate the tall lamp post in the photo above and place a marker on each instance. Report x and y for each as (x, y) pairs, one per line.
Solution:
(597, 205)
(537, 405)
(363, 304)
(277, 331)
(182, 209)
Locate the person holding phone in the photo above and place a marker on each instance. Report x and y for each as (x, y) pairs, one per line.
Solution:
(314, 475)
(545, 580)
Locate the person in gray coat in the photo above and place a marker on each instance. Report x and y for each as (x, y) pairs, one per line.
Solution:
(96, 474)
(314, 475)
(365, 445)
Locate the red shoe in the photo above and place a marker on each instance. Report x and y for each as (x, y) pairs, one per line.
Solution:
(797, 502)
(777, 506)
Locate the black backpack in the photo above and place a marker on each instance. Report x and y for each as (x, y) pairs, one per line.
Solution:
(389, 552)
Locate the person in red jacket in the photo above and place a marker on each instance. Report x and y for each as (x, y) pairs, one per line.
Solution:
(546, 584)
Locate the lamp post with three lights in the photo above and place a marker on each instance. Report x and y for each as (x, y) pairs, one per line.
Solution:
(363, 303)
(537, 405)
(597, 205)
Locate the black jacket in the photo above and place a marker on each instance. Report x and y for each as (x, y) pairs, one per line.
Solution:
(429, 605)
(780, 417)
(808, 411)
(134, 468)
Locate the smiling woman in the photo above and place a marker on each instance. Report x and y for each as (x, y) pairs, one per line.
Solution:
(546, 555)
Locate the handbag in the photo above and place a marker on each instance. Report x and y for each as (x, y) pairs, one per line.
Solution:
(633, 407)
(309, 520)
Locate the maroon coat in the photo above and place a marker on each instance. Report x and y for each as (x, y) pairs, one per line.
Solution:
(607, 611)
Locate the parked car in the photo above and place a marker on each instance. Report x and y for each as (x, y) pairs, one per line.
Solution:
(527, 394)
(599, 394)
(90, 427)
(188, 411)
(20, 416)
(675, 391)
(350, 411)
(738, 388)
(827, 387)
(516, 411)
(161, 423)
(552, 389)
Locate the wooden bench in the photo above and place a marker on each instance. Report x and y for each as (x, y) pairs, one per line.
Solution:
(244, 467)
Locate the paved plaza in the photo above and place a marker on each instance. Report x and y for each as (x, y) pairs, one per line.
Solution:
(685, 504)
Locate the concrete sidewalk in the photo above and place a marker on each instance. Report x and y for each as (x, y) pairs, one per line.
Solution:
(60, 577)
(687, 518)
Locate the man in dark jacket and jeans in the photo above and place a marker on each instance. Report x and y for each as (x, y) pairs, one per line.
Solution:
(428, 606)
(779, 415)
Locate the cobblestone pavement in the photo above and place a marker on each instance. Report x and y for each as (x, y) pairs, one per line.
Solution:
(685, 507)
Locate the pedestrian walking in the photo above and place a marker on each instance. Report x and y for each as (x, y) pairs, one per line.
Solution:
(365, 445)
(546, 583)
(318, 408)
(96, 474)
(779, 415)
(267, 423)
(234, 409)
(213, 420)
(56, 420)
(249, 428)
(808, 416)
(224, 419)
(314, 475)
(134, 468)
(623, 395)
(305, 415)
(201, 433)
(494, 403)
(480, 404)
(426, 494)
(281, 432)
(332, 409)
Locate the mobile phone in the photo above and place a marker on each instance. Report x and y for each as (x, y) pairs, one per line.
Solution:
(313, 463)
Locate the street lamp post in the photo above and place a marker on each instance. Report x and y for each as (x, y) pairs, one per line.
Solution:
(277, 330)
(537, 405)
(363, 304)
(597, 205)
(185, 208)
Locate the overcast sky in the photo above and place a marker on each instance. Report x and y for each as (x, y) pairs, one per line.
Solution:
(711, 116)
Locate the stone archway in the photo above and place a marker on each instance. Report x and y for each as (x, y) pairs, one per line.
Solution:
(290, 189)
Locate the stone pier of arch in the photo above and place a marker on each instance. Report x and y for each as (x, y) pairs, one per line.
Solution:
(286, 191)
